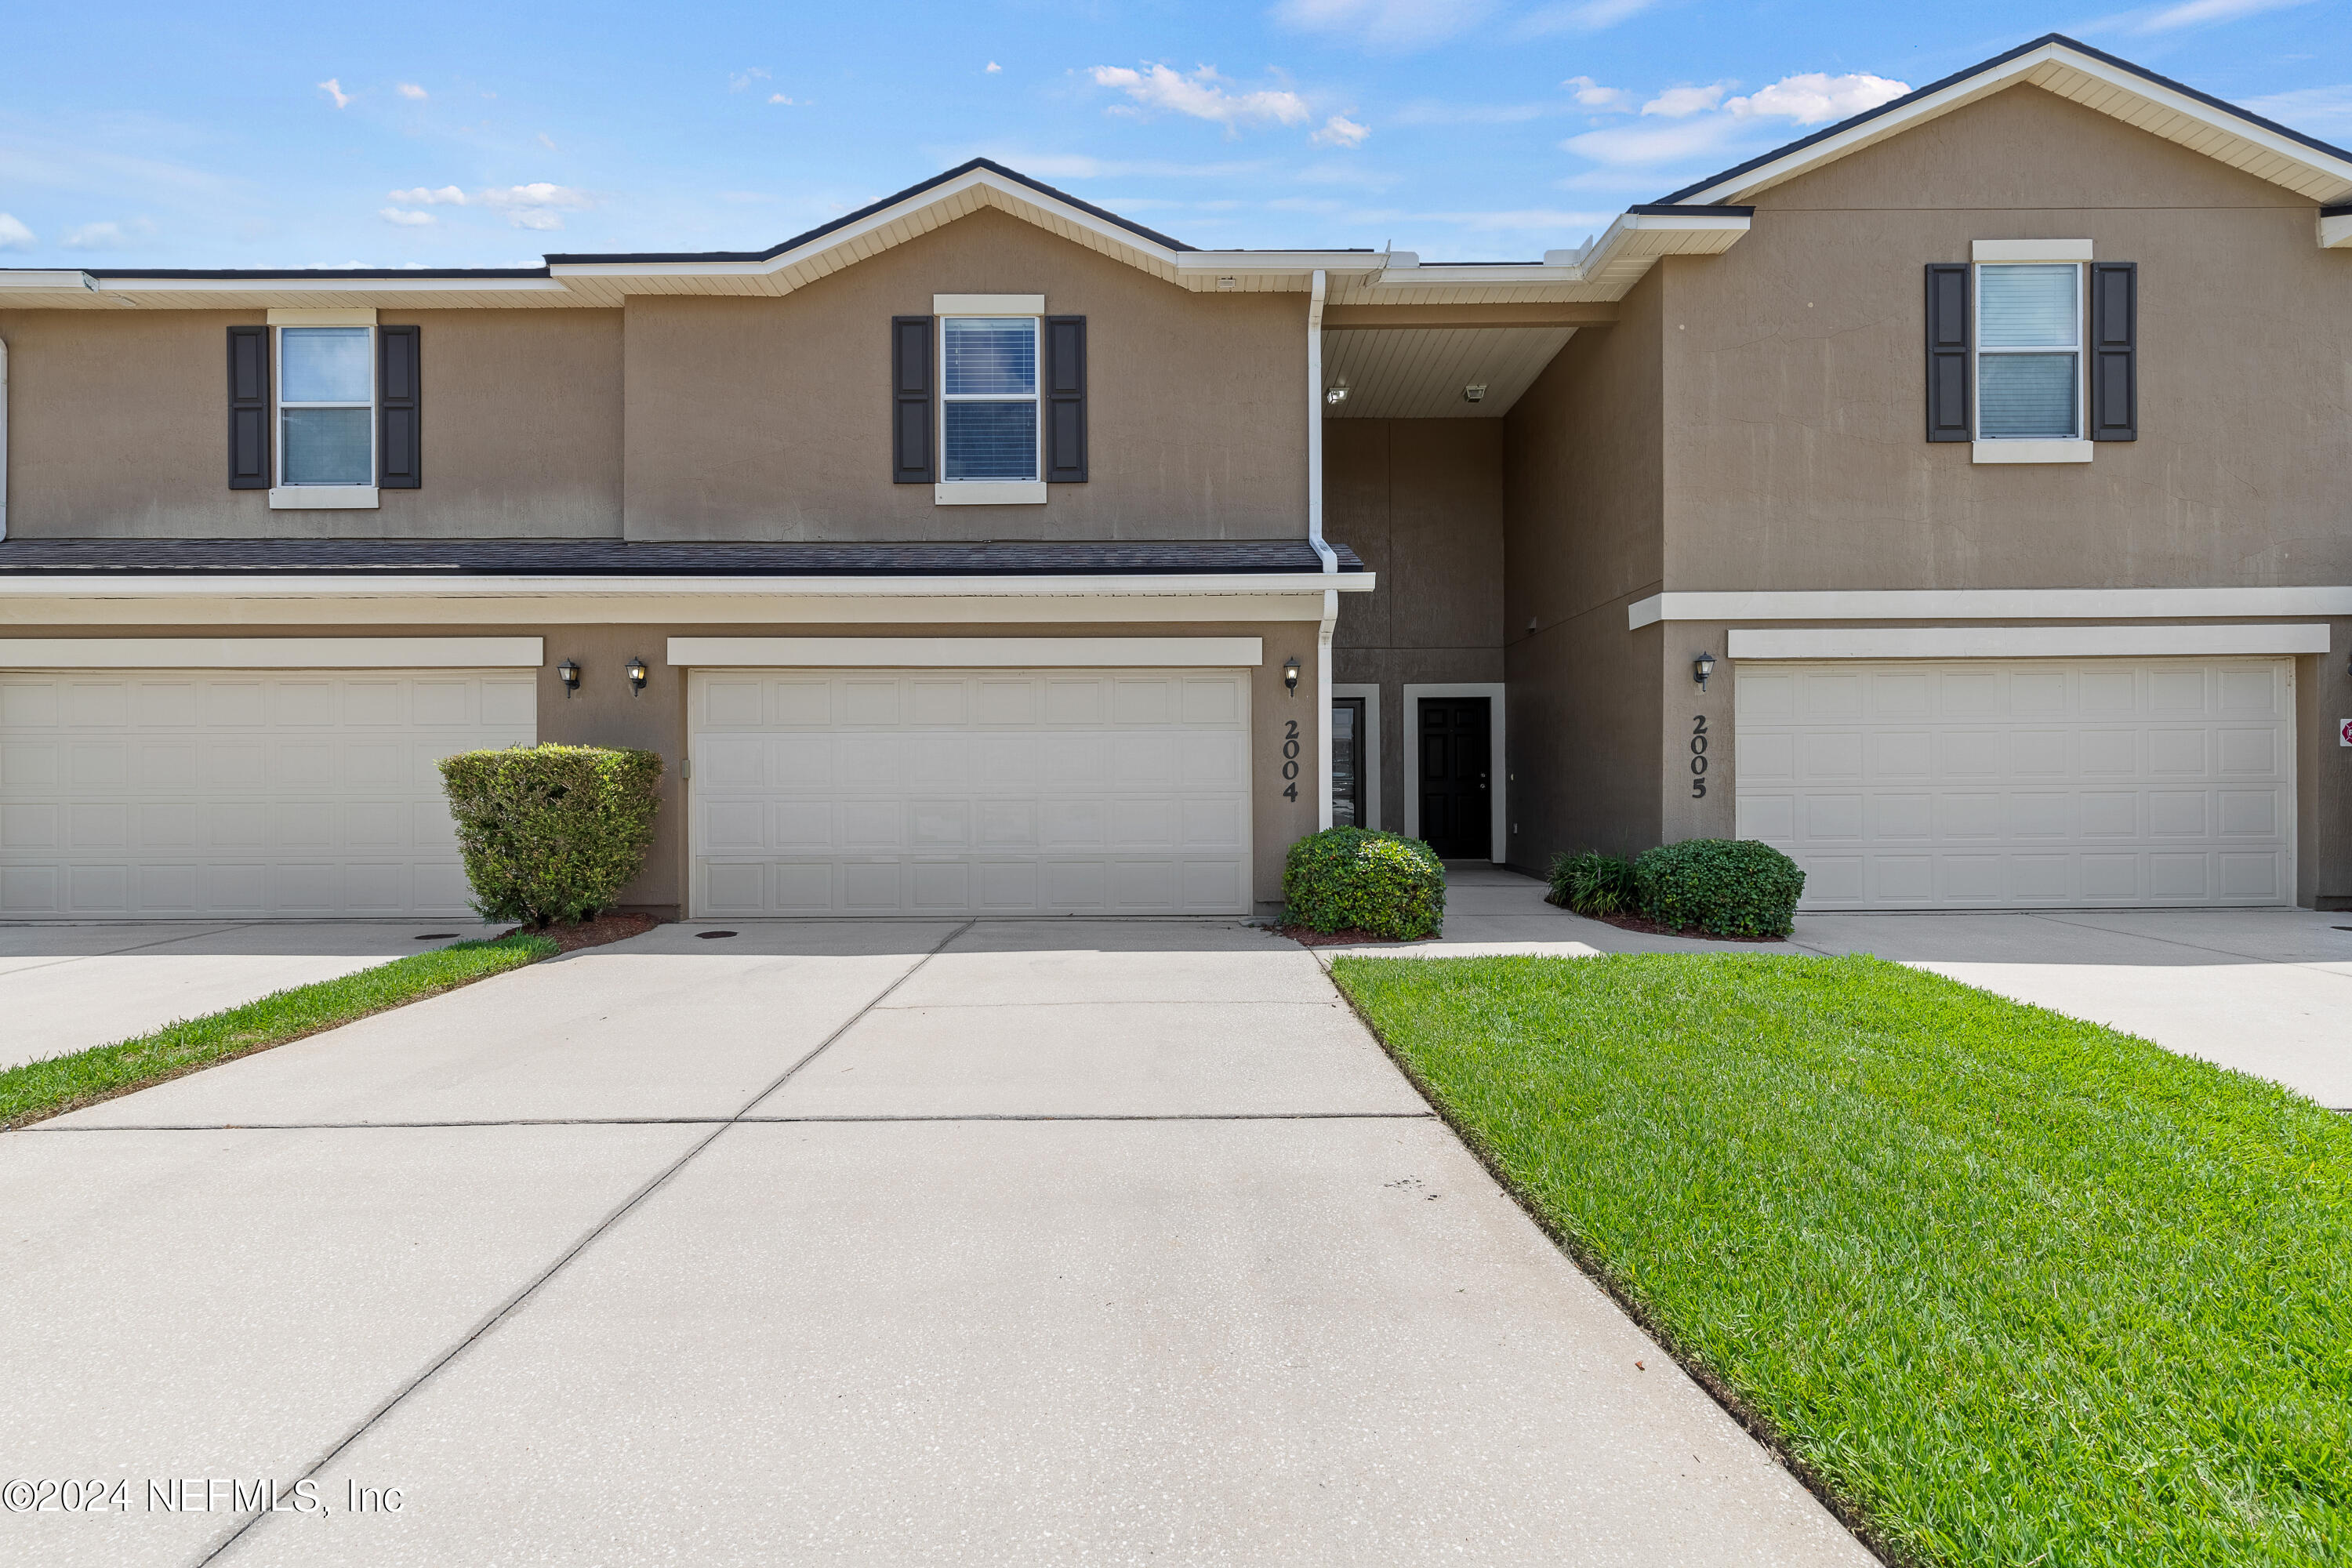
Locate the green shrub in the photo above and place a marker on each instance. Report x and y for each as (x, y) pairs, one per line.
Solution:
(1726, 887)
(1592, 883)
(551, 833)
(1352, 878)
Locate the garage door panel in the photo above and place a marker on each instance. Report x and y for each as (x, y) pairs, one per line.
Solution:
(998, 792)
(2054, 783)
(310, 794)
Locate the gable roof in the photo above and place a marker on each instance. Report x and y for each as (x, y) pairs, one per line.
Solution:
(2058, 64)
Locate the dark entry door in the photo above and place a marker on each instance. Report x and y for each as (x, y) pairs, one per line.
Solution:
(1454, 789)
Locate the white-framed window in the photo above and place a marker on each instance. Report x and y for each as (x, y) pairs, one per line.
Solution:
(2029, 351)
(326, 406)
(990, 432)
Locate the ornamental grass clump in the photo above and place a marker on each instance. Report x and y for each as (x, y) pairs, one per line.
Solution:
(1724, 887)
(1593, 884)
(551, 833)
(1355, 879)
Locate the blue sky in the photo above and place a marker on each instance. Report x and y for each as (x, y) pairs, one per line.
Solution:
(178, 135)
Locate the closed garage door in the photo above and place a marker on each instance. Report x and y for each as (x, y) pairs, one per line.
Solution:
(1997, 785)
(956, 792)
(170, 794)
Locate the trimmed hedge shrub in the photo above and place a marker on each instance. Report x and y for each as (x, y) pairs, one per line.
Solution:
(1724, 887)
(551, 833)
(1353, 879)
(1593, 884)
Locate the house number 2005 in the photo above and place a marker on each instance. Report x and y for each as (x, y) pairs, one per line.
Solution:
(1699, 756)
(1290, 759)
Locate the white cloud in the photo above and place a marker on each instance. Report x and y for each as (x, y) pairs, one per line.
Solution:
(778, 98)
(2307, 106)
(333, 88)
(1429, 112)
(1340, 131)
(993, 68)
(1816, 98)
(447, 195)
(535, 206)
(14, 236)
(1385, 24)
(1599, 99)
(1678, 101)
(738, 80)
(2195, 11)
(1203, 95)
(107, 236)
(1660, 144)
(549, 143)
(409, 89)
(405, 217)
(1590, 16)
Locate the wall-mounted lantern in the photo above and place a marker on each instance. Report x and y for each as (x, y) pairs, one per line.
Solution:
(568, 673)
(1290, 677)
(1701, 667)
(637, 674)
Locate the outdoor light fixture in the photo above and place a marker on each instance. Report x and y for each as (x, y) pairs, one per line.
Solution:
(637, 673)
(1474, 393)
(1337, 393)
(1701, 667)
(1290, 677)
(568, 673)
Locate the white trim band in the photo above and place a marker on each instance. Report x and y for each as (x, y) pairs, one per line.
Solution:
(323, 497)
(2026, 642)
(988, 304)
(271, 653)
(967, 653)
(2030, 250)
(430, 585)
(353, 316)
(1987, 604)
(989, 492)
(2012, 449)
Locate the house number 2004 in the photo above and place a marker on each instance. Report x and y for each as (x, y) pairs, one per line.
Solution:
(1290, 759)
(1699, 756)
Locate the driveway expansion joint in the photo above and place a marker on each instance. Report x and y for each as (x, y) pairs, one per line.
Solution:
(514, 1303)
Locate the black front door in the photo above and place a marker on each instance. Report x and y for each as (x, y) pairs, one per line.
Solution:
(1454, 789)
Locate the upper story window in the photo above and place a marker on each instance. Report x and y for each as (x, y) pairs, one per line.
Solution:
(2029, 351)
(988, 402)
(326, 406)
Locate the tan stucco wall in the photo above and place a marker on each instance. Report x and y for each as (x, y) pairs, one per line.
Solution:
(1796, 452)
(771, 419)
(1582, 533)
(119, 427)
(604, 712)
(1421, 502)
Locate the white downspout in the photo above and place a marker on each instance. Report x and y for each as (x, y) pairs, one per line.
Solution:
(1329, 557)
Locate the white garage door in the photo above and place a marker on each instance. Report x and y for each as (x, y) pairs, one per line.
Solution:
(2001, 784)
(170, 794)
(970, 793)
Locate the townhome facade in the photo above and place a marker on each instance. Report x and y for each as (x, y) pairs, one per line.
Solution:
(1958, 499)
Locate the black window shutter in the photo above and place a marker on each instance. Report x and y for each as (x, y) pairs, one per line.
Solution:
(912, 415)
(1065, 400)
(248, 408)
(2115, 350)
(1948, 353)
(400, 445)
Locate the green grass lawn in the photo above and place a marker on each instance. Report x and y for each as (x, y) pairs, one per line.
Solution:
(42, 1088)
(2016, 1288)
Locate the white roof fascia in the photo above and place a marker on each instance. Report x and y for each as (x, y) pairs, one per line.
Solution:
(62, 277)
(1738, 187)
(273, 585)
(262, 287)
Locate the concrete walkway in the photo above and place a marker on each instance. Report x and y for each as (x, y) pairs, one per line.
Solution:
(68, 987)
(889, 1242)
(2264, 990)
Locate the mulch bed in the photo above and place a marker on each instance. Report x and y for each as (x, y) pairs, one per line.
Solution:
(1652, 928)
(592, 933)
(1307, 936)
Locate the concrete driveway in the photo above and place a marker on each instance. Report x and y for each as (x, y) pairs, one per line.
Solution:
(68, 987)
(889, 1242)
(2265, 991)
